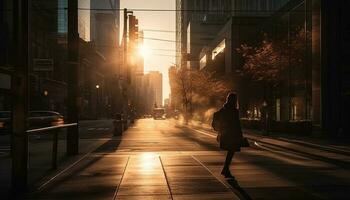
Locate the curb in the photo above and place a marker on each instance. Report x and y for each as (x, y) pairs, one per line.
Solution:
(305, 150)
(308, 149)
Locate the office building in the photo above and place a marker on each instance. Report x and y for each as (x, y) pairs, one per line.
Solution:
(104, 26)
(311, 92)
(156, 82)
(197, 23)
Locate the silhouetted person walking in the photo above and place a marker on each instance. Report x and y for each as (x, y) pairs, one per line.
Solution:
(226, 122)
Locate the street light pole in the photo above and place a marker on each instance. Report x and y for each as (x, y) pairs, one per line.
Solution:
(73, 59)
(97, 101)
(125, 59)
(19, 87)
(266, 116)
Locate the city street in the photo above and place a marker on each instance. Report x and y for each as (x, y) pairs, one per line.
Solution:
(124, 99)
(162, 159)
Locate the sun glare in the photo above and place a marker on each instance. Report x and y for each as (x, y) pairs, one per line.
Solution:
(144, 51)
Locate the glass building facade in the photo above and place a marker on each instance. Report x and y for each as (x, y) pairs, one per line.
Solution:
(62, 18)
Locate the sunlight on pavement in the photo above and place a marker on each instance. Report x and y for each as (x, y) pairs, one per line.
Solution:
(148, 161)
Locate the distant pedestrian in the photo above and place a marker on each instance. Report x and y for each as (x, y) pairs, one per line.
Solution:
(226, 122)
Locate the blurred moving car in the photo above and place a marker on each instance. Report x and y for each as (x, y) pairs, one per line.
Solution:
(36, 119)
(44, 119)
(158, 113)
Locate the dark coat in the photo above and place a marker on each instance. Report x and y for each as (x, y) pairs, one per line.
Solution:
(230, 131)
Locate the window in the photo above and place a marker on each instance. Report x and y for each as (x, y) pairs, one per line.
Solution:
(278, 109)
(256, 113)
(298, 109)
(220, 48)
(203, 62)
(189, 38)
(62, 18)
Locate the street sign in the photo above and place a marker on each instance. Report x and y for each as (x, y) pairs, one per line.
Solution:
(43, 65)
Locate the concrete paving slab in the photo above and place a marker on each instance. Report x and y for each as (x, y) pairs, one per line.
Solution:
(186, 171)
(149, 162)
(197, 186)
(206, 196)
(143, 197)
(178, 161)
(135, 181)
(144, 190)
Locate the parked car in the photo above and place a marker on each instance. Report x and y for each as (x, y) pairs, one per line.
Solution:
(36, 119)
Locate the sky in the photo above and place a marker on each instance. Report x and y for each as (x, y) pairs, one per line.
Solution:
(159, 59)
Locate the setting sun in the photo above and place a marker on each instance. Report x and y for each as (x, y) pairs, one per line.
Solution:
(144, 51)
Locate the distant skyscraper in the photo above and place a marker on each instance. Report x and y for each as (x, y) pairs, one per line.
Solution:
(104, 25)
(156, 81)
(83, 18)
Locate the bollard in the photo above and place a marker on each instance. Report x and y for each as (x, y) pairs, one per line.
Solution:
(125, 124)
(118, 124)
(118, 127)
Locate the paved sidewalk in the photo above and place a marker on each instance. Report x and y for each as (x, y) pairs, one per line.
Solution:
(157, 159)
(328, 153)
(323, 149)
(166, 175)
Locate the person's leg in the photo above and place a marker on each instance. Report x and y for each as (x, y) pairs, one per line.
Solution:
(228, 160)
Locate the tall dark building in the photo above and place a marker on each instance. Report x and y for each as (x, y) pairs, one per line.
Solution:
(197, 23)
(104, 26)
(313, 92)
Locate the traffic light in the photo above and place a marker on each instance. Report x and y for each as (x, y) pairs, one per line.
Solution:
(133, 28)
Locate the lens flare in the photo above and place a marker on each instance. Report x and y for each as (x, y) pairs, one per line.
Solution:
(144, 51)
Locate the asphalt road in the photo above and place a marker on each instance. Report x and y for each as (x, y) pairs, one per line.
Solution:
(162, 159)
(87, 129)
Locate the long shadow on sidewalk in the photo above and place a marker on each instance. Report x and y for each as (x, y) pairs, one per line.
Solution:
(308, 182)
(74, 171)
(209, 145)
(238, 190)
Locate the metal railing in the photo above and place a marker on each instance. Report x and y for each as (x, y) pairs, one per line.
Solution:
(52, 130)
